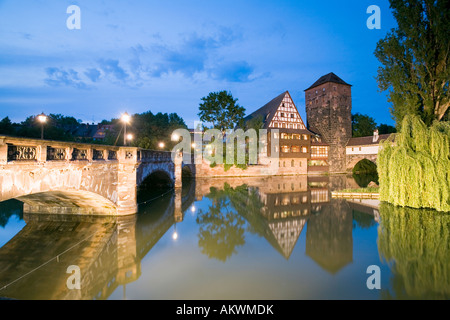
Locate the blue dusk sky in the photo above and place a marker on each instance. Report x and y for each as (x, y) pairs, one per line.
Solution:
(164, 56)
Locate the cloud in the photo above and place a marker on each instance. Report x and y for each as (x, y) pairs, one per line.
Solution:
(193, 54)
(57, 77)
(111, 67)
(93, 74)
(236, 71)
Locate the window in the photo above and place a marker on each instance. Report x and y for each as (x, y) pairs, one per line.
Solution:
(282, 114)
(292, 165)
(296, 136)
(285, 149)
(292, 116)
(359, 148)
(323, 89)
(295, 149)
(305, 137)
(319, 151)
(285, 136)
(276, 135)
(304, 149)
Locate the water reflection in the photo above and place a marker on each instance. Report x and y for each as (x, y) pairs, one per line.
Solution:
(329, 239)
(417, 245)
(228, 213)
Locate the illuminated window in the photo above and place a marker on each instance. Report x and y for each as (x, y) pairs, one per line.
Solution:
(285, 149)
(296, 136)
(305, 137)
(296, 149)
(304, 149)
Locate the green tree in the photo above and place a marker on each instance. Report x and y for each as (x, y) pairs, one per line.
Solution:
(386, 129)
(415, 171)
(362, 125)
(6, 127)
(150, 129)
(414, 57)
(222, 111)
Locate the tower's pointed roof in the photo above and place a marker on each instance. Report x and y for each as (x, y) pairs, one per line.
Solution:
(331, 77)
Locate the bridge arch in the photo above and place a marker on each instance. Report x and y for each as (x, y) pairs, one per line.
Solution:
(353, 160)
(68, 202)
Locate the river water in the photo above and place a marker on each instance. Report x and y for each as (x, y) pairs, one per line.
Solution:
(280, 238)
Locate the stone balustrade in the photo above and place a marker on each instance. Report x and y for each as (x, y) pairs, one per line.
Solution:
(14, 150)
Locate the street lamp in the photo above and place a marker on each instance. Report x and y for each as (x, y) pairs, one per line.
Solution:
(161, 145)
(125, 119)
(42, 118)
(129, 136)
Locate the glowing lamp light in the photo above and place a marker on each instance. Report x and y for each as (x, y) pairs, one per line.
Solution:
(126, 118)
(175, 137)
(129, 136)
(193, 145)
(193, 208)
(161, 145)
(42, 118)
(175, 235)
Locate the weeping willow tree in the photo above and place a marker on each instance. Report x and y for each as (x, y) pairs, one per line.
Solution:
(416, 243)
(414, 171)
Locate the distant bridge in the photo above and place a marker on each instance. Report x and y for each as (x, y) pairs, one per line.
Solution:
(104, 178)
(361, 148)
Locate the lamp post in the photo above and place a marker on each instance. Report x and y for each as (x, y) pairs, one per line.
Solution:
(42, 118)
(125, 119)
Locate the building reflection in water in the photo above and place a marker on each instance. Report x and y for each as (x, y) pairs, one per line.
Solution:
(109, 250)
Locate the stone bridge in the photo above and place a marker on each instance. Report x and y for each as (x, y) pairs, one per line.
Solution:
(103, 178)
(353, 159)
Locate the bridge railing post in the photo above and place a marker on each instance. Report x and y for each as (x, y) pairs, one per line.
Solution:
(41, 153)
(3, 152)
(178, 162)
(127, 180)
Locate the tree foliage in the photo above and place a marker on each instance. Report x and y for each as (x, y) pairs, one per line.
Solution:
(415, 60)
(415, 171)
(221, 110)
(386, 129)
(362, 125)
(150, 129)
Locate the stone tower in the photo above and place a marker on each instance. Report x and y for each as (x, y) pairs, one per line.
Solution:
(329, 113)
